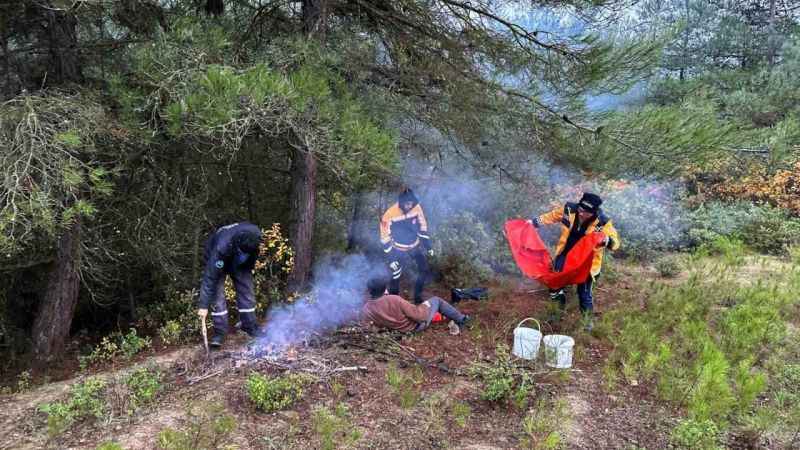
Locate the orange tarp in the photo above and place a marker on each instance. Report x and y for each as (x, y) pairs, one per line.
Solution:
(534, 260)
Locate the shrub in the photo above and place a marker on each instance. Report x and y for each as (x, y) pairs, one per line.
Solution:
(502, 378)
(334, 427)
(648, 217)
(170, 333)
(208, 428)
(772, 233)
(668, 267)
(116, 345)
(24, 381)
(763, 228)
(272, 394)
(175, 318)
(144, 385)
(85, 401)
(696, 435)
(468, 252)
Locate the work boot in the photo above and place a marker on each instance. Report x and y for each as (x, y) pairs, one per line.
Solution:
(588, 321)
(216, 341)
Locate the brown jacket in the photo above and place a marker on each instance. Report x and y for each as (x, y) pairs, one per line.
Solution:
(395, 313)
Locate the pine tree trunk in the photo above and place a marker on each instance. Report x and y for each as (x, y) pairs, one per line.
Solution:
(304, 171)
(354, 230)
(303, 207)
(54, 317)
(62, 42)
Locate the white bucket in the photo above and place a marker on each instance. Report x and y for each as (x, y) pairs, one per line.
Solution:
(527, 340)
(558, 351)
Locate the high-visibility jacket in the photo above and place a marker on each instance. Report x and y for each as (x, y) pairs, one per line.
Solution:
(404, 231)
(567, 216)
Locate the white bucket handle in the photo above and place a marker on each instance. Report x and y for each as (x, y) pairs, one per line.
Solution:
(531, 318)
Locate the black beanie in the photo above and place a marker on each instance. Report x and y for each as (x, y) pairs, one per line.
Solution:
(590, 202)
(407, 196)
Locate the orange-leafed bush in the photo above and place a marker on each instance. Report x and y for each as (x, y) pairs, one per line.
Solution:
(781, 189)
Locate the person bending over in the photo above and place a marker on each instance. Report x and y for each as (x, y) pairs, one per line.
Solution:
(395, 313)
(230, 251)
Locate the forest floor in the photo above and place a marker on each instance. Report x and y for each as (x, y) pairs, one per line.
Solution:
(441, 407)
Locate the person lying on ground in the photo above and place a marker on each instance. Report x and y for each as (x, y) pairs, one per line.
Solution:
(578, 220)
(232, 251)
(395, 313)
(404, 236)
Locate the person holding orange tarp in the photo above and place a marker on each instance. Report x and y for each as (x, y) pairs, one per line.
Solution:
(586, 232)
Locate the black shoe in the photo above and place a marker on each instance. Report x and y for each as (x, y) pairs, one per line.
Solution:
(216, 341)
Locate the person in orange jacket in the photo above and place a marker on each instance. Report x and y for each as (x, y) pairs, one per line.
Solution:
(404, 236)
(577, 220)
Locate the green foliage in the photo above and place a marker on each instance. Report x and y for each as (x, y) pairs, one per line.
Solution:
(700, 342)
(85, 401)
(208, 428)
(668, 266)
(144, 385)
(273, 394)
(542, 426)
(116, 345)
(461, 413)
(502, 380)
(24, 381)
(404, 386)
(175, 318)
(170, 333)
(109, 446)
(467, 251)
(334, 428)
(694, 434)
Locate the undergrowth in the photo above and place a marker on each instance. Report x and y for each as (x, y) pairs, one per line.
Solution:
(704, 345)
(273, 394)
(208, 427)
(334, 427)
(116, 345)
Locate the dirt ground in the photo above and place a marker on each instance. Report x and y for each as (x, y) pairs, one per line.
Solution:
(626, 417)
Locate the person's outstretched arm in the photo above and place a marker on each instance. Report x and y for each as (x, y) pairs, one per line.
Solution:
(548, 218)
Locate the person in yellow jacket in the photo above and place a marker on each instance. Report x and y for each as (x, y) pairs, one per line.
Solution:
(578, 220)
(404, 236)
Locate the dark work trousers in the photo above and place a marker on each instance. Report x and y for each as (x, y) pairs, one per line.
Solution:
(245, 302)
(398, 261)
(436, 304)
(584, 289)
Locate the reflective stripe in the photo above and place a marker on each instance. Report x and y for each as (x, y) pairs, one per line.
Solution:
(219, 313)
(387, 250)
(247, 310)
(411, 214)
(423, 236)
(396, 277)
(400, 246)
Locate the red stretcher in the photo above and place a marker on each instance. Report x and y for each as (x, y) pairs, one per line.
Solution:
(534, 260)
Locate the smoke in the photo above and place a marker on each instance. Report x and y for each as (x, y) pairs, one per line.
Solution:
(335, 299)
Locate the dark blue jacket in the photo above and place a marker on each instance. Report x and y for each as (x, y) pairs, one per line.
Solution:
(220, 259)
